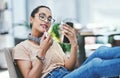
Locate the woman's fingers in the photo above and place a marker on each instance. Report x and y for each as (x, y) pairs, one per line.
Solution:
(67, 27)
(46, 40)
(67, 30)
(45, 43)
(44, 36)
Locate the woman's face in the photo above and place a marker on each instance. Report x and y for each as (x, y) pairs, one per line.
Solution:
(42, 20)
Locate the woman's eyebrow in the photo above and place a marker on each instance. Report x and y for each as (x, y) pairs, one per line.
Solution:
(44, 14)
(50, 16)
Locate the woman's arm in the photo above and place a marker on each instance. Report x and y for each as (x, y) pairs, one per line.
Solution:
(34, 71)
(71, 61)
(70, 33)
(29, 71)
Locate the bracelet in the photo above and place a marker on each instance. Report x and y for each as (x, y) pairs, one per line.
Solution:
(40, 58)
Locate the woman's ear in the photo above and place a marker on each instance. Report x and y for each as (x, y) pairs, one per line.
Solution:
(31, 20)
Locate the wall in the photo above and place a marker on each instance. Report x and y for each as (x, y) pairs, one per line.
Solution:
(19, 11)
(105, 11)
(61, 9)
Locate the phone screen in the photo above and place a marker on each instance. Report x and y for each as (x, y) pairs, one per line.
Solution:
(65, 39)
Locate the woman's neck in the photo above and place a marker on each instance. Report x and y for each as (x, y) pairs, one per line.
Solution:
(36, 34)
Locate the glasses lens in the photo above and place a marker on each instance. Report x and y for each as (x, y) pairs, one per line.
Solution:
(42, 17)
(51, 20)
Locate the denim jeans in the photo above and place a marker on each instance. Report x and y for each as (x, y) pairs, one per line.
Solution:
(104, 62)
(57, 73)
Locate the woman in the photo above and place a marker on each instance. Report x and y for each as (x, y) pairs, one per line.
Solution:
(41, 57)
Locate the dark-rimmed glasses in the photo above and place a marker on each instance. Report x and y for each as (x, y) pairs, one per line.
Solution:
(44, 18)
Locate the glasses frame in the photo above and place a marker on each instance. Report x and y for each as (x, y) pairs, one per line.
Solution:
(46, 19)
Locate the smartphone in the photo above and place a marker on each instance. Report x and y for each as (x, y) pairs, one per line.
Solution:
(65, 39)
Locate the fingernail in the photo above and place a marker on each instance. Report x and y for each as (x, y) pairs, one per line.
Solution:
(46, 34)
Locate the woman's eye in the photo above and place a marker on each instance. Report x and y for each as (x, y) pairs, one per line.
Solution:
(42, 17)
(49, 19)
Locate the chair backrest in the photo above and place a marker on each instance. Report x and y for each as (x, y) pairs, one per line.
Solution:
(13, 70)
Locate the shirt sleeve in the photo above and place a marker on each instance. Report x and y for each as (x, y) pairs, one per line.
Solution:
(20, 52)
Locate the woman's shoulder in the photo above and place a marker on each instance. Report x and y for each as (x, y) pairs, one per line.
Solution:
(20, 51)
(23, 43)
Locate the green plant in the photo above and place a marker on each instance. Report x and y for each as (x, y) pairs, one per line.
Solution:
(55, 32)
(56, 36)
(65, 46)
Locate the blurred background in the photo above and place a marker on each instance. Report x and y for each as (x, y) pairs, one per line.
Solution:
(97, 22)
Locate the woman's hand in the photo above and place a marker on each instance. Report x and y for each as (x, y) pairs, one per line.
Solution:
(45, 43)
(70, 33)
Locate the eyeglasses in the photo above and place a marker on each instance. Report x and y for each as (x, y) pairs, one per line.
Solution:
(44, 18)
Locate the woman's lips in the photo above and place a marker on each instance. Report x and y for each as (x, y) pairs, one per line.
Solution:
(44, 26)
